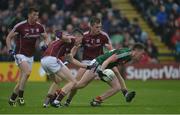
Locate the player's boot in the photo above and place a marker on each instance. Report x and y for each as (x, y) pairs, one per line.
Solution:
(21, 101)
(95, 103)
(130, 95)
(12, 103)
(56, 104)
(67, 102)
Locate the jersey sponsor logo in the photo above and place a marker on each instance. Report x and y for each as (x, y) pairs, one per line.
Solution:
(32, 30)
(87, 41)
(92, 41)
(37, 29)
(27, 35)
(26, 30)
(97, 40)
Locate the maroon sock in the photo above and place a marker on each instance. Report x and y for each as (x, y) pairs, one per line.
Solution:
(99, 99)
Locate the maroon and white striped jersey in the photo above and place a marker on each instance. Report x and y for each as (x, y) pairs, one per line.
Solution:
(27, 36)
(59, 48)
(93, 44)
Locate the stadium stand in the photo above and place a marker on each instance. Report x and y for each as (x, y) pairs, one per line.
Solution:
(163, 17)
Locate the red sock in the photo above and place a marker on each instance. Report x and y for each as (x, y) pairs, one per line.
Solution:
(98, 98)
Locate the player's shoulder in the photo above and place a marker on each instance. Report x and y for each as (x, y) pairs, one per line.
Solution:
(39, 24)
(20, 23)
(104, 34)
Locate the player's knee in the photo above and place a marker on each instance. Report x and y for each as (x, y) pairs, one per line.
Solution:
(28, 72)
(81, 85)
(74, 83)
(117, 89)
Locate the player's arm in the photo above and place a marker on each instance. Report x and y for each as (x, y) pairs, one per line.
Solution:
(109, 60)
(75, 49)
(9, 38)
(109, 46)
(108, 43)
(72, 60)
(45, 36)
(120, 78)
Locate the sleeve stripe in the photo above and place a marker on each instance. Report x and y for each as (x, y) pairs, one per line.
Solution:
(123, 55)
(18, 24)
(105, 34)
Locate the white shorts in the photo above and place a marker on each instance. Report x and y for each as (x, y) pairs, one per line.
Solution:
(51, 64)
(86, 61)
(19, 58)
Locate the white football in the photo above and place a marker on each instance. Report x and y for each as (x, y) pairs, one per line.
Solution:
(110, 74)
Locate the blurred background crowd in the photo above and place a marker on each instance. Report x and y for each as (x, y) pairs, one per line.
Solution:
(68, 14)
(164, 17)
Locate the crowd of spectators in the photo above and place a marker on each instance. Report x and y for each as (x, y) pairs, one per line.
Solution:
(164, 17)
(68, 14)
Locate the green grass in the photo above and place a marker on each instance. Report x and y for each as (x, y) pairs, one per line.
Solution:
(152, 97)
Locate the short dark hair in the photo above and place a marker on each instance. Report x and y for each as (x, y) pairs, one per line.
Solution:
(77, 30)
(32, 9)
(94, 20)
(138, 46)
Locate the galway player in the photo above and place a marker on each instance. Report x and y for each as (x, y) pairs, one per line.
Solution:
(54, 86)
(52, 64)
(25, 35)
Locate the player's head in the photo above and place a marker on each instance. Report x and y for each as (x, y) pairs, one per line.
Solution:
(95, 25)
(137, 51)
(78, 34)
(33, 14)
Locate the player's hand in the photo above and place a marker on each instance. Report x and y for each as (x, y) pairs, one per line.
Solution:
(113, 58)
(91, 66)
(58, 34)
(44, 47)
(12, 53)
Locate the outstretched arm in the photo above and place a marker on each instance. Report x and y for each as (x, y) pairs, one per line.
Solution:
(72, 60)
(109, 60)
(46, 40)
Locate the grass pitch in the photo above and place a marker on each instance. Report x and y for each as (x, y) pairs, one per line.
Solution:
(161, 96)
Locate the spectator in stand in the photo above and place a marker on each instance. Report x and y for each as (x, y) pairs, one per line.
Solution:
(176, 42)
(176, 38)
(161, 20)
(152, 51)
